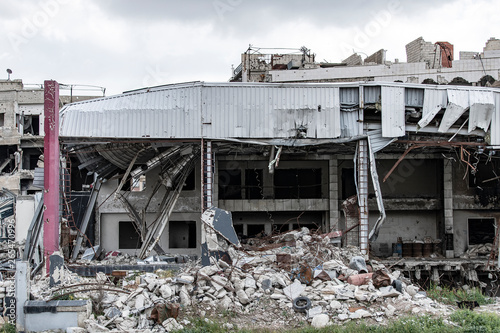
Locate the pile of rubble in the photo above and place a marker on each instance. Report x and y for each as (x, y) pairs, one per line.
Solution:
(276, 282)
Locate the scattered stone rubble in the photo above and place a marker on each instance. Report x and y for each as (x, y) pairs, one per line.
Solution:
(281, 281)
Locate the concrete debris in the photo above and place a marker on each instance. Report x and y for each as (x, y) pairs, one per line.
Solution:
(255, 285)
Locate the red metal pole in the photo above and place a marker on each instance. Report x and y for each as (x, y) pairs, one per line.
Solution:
(51, 170)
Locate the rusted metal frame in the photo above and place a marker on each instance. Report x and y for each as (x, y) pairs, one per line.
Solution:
(462, 150)
(442, 143)
(410, 148)
(420, 144)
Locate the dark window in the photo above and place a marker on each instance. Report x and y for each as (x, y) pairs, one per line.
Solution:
(182, 234)
(297, 184)
(486, 175)
(348, 186)
(2, 117)
(253, 184)
(190, 183)
(481, 231)
(33, 161)
(230, 184)
(254, 230)
(128, 237)
(31, 125)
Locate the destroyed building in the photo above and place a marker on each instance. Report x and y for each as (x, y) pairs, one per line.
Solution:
(426, 63)
(22, 144)
(382, 162)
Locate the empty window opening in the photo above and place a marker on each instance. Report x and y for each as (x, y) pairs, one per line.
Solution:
(255, 230)
(2, 119)
(348, 185)
(128, 237)
(481, 230)
(31, 124)
(253, 184)
(230, 184)
(297, 184)
(190, 183)
(182, 234)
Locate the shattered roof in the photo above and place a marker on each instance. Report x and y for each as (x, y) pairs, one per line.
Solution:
(295, 111)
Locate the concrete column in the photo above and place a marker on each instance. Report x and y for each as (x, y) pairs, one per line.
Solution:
(333, 193)
(51, 170)
(22, 292)
(448, 207)
(362, 177)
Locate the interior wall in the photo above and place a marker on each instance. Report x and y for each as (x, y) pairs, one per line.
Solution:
(410, 225)
(460, 227)
(110, 228)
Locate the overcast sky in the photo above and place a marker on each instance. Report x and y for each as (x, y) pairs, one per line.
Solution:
(127, 44)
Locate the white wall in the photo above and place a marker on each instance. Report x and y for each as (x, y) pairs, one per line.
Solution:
(25, 209)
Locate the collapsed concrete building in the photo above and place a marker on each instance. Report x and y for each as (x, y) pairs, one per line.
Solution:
(22, 134)
(383, 162)
(426, 63)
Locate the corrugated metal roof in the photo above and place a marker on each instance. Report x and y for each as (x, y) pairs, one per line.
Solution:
(393, 112)
(414, 97)
(482, 105)
(249, 110)
(434, 101)
(372, 94)
(276, 112)
(495, 121)
(168, 113)
(234, 111)
(349, 124)
(458, 101)
(377, 142)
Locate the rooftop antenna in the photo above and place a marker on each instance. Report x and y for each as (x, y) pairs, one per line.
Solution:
(9, 71)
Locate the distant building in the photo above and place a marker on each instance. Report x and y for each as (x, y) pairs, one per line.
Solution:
(426, 63)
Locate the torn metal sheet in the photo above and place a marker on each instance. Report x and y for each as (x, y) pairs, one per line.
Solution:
(393, 112)
(221, 222)
(434, 101)
(495, 121)
(482, 105)
(276, 160)
(377, 141)
(378, 195)
(458, 102)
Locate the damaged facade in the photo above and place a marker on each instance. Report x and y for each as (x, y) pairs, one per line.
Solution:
(386, 162)
(431, 63)
(21, 146)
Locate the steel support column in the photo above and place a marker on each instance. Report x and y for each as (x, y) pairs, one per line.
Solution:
(362, 178)
(51, 170)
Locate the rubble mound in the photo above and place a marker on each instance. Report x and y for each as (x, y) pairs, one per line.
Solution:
(283, 281)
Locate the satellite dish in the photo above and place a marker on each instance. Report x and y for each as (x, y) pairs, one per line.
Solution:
(9, 71)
